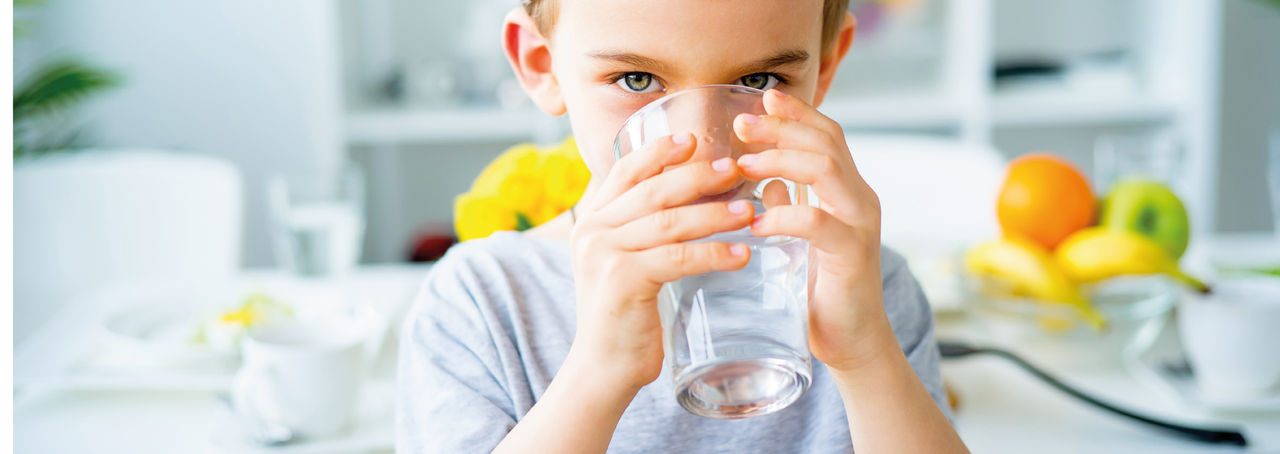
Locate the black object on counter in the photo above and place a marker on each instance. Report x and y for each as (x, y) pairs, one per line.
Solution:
(954, 349)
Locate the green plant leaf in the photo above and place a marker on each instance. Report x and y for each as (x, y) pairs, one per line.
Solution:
(522, 222)
(59, 86)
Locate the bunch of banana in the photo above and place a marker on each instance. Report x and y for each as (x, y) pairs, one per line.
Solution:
(1028, 269)
(1099, 253)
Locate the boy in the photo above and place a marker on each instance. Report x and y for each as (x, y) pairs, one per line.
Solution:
(549, 341)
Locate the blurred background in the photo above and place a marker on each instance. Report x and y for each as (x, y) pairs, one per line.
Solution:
(169, 143)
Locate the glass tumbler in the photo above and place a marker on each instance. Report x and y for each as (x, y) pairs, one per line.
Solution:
(736, 342)
(317, 220)
(1155, 155)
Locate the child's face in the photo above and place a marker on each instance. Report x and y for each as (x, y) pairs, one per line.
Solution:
(608, 58)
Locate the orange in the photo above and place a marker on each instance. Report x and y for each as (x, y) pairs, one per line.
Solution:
(1044, 198)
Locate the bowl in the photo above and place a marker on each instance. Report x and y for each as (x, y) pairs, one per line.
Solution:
(1135, 310)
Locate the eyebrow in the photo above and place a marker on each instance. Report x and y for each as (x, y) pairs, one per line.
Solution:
(781, 59)
(629, 59)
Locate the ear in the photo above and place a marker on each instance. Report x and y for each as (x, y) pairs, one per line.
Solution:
(530, 56)
(832, 57)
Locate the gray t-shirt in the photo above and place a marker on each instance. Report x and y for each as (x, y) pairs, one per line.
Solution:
(494, 321)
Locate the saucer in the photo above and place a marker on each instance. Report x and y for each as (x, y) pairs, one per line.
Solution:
(372, 429)
(1165, 370)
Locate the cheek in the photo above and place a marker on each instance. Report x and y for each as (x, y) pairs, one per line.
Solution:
(805, 87)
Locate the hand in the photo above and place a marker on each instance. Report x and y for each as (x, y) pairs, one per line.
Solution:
(630, 238)
(847, 323)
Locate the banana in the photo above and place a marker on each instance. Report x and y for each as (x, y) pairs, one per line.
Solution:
(1031, 271)
(1098, 253)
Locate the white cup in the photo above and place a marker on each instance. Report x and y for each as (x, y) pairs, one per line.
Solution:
(304, 375)
(1232, 338)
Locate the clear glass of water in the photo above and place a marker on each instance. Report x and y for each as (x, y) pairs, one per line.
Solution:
(1154, 155)
(317, 220)
(736, 342)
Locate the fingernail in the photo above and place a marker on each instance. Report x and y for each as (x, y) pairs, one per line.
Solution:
(752, 119)
(738, 250)
(721, 165)
(681, 139)
(778, 93)
(738, 206)
(748, 160)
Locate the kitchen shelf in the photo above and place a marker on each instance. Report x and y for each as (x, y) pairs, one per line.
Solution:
(399, 125)
(898, 112)
(1068, 108)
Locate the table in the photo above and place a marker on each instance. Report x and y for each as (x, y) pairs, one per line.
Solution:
(56, 411)
(1004, 409)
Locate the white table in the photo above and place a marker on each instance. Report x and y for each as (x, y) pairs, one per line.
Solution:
(1004, 409)
(56, 410)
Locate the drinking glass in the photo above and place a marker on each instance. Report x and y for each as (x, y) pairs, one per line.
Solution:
(736, 342)
(317, 220)
(1155, 156)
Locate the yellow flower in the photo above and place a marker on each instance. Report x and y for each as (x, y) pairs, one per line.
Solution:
(478, 216)
(565, 174)
(510, 162)
(523, 188)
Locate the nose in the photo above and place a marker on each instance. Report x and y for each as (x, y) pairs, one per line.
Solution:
(708, 115)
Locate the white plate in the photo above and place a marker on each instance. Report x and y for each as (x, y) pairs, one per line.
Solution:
(372, 430)
(1146, 367)
(150, 344)
(165, 332)
(1185, 390)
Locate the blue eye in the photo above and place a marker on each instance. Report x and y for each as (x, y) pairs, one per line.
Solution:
(637, 82)
(759, 81)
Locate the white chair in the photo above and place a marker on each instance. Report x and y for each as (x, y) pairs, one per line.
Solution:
(937, 198)
(93, 219)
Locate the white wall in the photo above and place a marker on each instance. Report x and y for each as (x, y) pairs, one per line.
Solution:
(1052, 28)
(1250, 107)
(255, 82)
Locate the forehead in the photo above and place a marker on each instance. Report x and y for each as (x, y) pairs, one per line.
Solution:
(702, 32)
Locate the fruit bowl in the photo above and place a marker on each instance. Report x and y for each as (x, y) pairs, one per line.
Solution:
(1135, 309)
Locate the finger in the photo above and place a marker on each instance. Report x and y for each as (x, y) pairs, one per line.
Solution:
(673, 187)
(823, 230)
(784, 133)
(636, 167)
(667, 263)
(804, 167)
(776, 193)
(783, 105)
(686, 223)
(827, 174)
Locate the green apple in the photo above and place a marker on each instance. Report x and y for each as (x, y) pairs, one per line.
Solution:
(1151, 209)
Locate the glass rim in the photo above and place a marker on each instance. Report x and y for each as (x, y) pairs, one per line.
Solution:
(658, 103)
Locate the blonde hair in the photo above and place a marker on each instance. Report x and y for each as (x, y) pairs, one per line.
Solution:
(543, 13)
